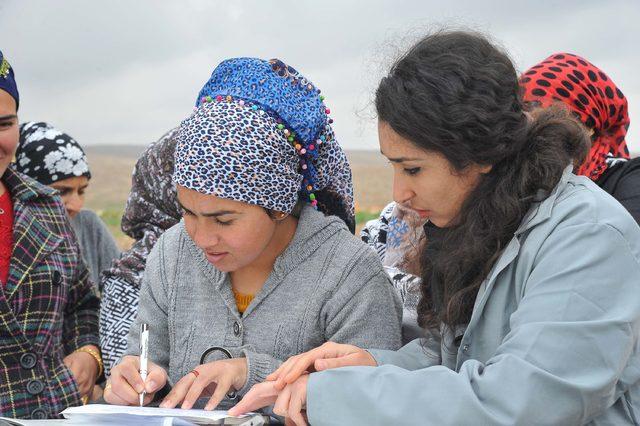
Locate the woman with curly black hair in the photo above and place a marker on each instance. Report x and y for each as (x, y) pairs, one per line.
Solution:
(529, 280)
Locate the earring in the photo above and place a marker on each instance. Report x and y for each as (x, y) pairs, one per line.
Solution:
(281, 216)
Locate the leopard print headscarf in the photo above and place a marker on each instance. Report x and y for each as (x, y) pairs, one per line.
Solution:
(261, 134)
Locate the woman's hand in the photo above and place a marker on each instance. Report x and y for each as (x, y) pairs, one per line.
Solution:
(125, 384)
(329, 355)
(290, 402)
(260, 395)
(96, 394)
(84, 369)
(213, 379)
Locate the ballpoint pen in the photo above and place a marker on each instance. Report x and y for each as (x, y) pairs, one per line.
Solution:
(144, 356)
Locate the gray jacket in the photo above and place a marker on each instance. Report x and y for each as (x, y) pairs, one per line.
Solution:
(553, 338)
(97, 246)
(327, 285)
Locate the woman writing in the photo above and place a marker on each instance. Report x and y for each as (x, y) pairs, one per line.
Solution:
(263, 265)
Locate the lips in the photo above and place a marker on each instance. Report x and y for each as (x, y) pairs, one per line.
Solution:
(422, 213)
(215, 257)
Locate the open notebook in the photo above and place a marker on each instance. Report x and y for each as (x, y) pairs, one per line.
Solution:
(114, 414)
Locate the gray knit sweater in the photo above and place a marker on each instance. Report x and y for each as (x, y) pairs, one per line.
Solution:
(327, 285)
(97, 246)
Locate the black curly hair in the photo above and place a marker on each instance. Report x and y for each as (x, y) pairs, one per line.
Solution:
(457, 94)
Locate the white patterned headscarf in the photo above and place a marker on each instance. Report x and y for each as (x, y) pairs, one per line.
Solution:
(49, 155)
(261, 134)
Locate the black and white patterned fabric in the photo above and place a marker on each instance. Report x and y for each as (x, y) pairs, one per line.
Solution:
(152, 208)
(396, 231)
(118, 310)
(396, 235)
(49, 155)
(375, 231)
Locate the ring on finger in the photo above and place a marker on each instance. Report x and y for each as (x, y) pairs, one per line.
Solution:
(195, 372)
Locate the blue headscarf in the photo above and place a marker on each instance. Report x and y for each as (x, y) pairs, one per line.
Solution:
(261, 134)
(7, 79)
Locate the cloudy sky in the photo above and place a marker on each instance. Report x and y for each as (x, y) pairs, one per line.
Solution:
(124, 72)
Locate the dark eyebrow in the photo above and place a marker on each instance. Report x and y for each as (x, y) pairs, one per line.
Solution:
(219, 213)
(401, 159)
(8, 117)
(63, 186)
(212, 214)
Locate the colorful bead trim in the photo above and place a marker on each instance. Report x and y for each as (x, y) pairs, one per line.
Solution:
(307, 151)
(4, 68)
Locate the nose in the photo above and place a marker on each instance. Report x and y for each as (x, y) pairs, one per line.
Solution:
(204, 237)
(402, 191)
(74, 204)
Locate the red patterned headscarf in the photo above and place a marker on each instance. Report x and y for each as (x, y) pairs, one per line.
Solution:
(591, 95)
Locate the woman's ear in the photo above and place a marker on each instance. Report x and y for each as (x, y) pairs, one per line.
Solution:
(279, 216)
(485, 168)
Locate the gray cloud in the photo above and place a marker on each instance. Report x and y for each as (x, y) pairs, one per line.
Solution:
(125, 71)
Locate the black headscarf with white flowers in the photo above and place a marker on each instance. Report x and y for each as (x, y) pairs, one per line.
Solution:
(48, 155)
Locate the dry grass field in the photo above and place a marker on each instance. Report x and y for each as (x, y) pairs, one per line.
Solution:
(111, 167)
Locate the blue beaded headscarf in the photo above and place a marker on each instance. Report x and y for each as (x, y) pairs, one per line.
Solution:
(261, 134)
(7, 79)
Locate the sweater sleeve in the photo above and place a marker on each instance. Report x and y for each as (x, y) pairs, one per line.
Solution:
(567, 357)
(107, 249)
(364, 309)
(417, 354)
(80, 327)
(259, 366)
(153, 309)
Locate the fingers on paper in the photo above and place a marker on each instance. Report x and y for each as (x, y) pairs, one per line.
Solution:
(259, 396)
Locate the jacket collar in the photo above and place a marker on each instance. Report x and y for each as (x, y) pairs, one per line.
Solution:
(24, 188)
(30, 226)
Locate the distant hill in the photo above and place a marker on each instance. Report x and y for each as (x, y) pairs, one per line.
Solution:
(111, 167)
(123, 151)
(134, 151)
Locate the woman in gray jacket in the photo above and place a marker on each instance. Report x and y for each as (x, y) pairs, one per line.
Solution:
(530, 279)
(263, 265)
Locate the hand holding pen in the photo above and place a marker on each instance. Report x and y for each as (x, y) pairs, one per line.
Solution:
(132, 382)
(144, 357)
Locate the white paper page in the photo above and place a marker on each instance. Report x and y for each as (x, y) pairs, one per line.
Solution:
(101, 409)
(23, 422)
